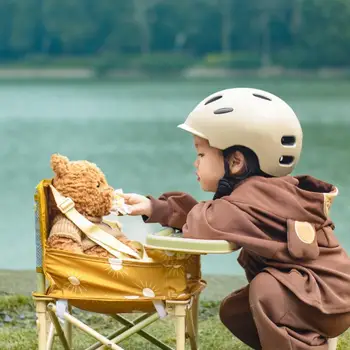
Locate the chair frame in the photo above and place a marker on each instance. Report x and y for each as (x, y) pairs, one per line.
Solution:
(49, 327)
(186, 325)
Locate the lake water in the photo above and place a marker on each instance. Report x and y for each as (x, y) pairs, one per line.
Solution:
(129, 130)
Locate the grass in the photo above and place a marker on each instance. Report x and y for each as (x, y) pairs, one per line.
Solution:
(18, 328)
(18, 320)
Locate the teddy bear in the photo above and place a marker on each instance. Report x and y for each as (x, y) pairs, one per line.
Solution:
(86, 185)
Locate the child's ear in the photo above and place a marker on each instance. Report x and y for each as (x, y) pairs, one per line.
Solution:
(237, 163)
(59, 164)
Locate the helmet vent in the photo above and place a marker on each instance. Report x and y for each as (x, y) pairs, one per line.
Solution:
(213, 99)
(262, 97)
(223, 110)
(288, 140)
(286, 160)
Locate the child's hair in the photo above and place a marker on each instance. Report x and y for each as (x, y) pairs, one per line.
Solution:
(229, 182)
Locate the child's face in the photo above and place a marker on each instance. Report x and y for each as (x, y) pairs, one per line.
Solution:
(209, 164)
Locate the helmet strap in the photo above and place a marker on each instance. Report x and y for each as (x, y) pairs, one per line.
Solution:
(226, 184)
(229, 182)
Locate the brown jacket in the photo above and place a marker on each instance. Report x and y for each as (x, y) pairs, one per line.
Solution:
(282, 226)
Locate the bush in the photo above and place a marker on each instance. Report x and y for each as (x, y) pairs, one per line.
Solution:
(296, 59)
(14, 302)
(163, 62)
(234, 60)
(36, 60)
(108, 61)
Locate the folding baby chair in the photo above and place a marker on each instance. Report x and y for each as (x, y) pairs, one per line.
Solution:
(167, 283)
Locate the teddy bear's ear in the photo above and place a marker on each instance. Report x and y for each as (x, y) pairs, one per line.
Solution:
(59, 164)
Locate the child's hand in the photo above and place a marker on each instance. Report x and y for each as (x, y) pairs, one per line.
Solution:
(138, 204)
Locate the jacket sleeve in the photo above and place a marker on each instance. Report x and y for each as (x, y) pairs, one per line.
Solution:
(224, 220)
(171, 209)
(214, 220)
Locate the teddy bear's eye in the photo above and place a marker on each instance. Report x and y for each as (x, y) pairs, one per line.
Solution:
(98, 184)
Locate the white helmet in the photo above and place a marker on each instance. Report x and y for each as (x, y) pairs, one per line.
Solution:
(252, 118)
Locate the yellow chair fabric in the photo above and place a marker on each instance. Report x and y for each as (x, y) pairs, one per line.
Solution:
(112, 285)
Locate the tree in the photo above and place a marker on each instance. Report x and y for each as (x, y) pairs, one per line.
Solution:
(6, 15)
(226, 24)
(142, 10)
(299, 33)
(265, 12)
(22, 31)
(324, 35)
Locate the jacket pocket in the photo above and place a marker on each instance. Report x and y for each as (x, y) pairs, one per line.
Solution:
(302, 240)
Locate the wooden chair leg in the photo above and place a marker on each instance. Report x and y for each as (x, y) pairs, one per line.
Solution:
(192, 324)
(195, 314)
(50, 337)
(68, 328)
(59, 330)
(69, 318)
(41, 324)
(134, 329)
(180, 326)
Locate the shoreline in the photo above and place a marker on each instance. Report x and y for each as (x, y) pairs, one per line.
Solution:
(87, 73)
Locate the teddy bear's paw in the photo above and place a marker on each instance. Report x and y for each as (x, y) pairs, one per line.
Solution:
(97, 251)
(65, 243)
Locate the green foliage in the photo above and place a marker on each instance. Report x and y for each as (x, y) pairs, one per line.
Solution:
(165, 35)
(108, 61)
(235, 60)
(14, 302)
(16, 339)
(162, 62)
